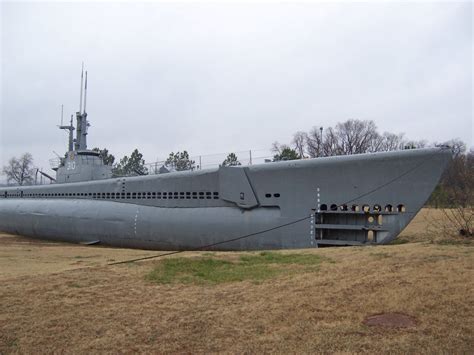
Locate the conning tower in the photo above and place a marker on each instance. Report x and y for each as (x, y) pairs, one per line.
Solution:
(80, 163)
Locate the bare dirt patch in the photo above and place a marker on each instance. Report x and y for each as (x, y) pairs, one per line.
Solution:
(391, 320)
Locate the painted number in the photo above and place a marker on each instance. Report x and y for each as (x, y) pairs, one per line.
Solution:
(71, 165)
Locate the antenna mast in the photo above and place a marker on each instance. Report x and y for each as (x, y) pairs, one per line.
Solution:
(81, 116)
(85, 95)
(82, 83)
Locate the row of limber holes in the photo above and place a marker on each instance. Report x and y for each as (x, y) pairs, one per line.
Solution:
(365, 208)
(129, 195)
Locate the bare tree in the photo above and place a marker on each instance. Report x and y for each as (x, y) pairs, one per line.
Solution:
(277, 148)
(460, 192)
(455, 193)
(391, 141)
(299, 141)
(355, 136)
(330, 143)
(314, 141)
(20, 171)
(350, 137)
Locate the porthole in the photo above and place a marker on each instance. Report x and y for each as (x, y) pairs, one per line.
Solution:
(377, 208)
(401, 208)
(366, 208)
(343, 207)
(276, 195)
(333, 207)
(323, 207)
(268, 195)
(389, 208)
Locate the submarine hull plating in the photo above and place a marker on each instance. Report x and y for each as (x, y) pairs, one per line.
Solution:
(347, 200)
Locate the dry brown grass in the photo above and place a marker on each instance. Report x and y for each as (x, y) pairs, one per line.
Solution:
(64, 298)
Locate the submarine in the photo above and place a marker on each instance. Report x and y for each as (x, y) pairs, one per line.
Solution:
(354, 200)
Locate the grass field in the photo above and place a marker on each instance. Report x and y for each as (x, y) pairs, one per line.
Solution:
(65, 298)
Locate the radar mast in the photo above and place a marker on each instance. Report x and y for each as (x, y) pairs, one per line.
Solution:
(81, 117)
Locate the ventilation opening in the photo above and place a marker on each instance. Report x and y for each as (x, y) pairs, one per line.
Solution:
(401, 208)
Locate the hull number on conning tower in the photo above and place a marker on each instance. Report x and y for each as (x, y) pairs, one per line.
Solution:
(70, 165)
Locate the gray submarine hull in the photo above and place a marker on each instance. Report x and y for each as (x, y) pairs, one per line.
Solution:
(361, 199)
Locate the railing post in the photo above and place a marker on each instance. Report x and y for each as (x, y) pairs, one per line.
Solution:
(200, 163)
(250, 155)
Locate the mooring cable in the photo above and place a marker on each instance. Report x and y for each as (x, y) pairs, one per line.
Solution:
(279, 226)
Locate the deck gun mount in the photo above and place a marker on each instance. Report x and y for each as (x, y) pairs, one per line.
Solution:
(80, 163)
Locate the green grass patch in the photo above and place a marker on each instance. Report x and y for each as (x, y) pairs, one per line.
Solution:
(455, 241)
(399, 241)
(253, 267)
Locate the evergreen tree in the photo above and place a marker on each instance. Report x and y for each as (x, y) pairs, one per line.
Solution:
(286, 154)
(231, 160)
(107, 158)
(133, 166)
(180, 161)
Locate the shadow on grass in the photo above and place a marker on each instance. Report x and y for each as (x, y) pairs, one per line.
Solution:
(253, 267)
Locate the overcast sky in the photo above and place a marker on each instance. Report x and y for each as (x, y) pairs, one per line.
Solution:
(220, 77)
